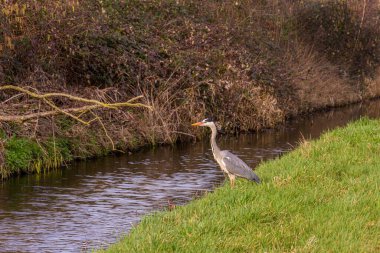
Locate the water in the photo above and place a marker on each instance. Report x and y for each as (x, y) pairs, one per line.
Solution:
(92, 203)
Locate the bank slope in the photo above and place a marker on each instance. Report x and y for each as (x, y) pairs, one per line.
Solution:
(249, 64)
(322, 197)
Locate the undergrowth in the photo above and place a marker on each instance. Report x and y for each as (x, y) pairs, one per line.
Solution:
(248, 64)
(345, 37)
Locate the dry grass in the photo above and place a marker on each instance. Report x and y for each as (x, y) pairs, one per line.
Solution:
(317, 82)
(373, 84)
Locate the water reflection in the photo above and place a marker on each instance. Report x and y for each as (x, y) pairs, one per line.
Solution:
(91, 203)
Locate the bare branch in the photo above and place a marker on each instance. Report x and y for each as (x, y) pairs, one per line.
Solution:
(56, 110)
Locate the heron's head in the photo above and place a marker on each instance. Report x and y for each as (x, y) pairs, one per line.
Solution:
(206, 122)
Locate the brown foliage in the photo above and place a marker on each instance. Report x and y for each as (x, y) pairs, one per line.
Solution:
(249, 64)
(346, 32)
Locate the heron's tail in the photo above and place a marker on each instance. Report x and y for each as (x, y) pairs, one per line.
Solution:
(255, 178)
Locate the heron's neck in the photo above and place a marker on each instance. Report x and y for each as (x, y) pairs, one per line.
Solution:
(214, 146)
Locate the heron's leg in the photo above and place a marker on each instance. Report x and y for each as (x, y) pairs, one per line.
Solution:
(232, 180)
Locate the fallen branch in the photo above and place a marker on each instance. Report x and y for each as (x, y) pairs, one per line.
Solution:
(45, 114)
(92, 101)
(69, 111)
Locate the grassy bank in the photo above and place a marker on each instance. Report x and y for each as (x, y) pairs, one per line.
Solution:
(322, 197)
(250, 64)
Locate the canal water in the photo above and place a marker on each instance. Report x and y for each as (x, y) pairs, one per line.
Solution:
(90, 204)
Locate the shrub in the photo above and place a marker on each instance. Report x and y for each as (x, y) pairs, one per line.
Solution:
(334, 29)
(102, 60)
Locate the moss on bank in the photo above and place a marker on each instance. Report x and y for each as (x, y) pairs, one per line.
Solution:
(322, 197)
(24, 155)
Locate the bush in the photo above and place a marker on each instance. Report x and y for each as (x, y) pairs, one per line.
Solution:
(345, 38)
(35, 35)
(102, 60)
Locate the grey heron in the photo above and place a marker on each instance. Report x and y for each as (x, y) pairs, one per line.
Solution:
(232, 165)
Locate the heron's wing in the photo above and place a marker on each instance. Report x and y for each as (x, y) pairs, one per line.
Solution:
(236, 166)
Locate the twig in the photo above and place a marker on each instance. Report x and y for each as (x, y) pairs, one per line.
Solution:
(178, 132)
(37, 121)
(13, 97)
(96, 117)
(64, 112)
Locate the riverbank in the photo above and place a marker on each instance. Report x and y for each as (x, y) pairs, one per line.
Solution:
(321, 197)
(249, 64)
(128, 187)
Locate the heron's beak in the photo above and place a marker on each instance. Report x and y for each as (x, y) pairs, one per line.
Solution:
(197, 124)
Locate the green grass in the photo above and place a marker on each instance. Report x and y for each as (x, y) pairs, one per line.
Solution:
(21, 154)
(322, 197)
(24, 155)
